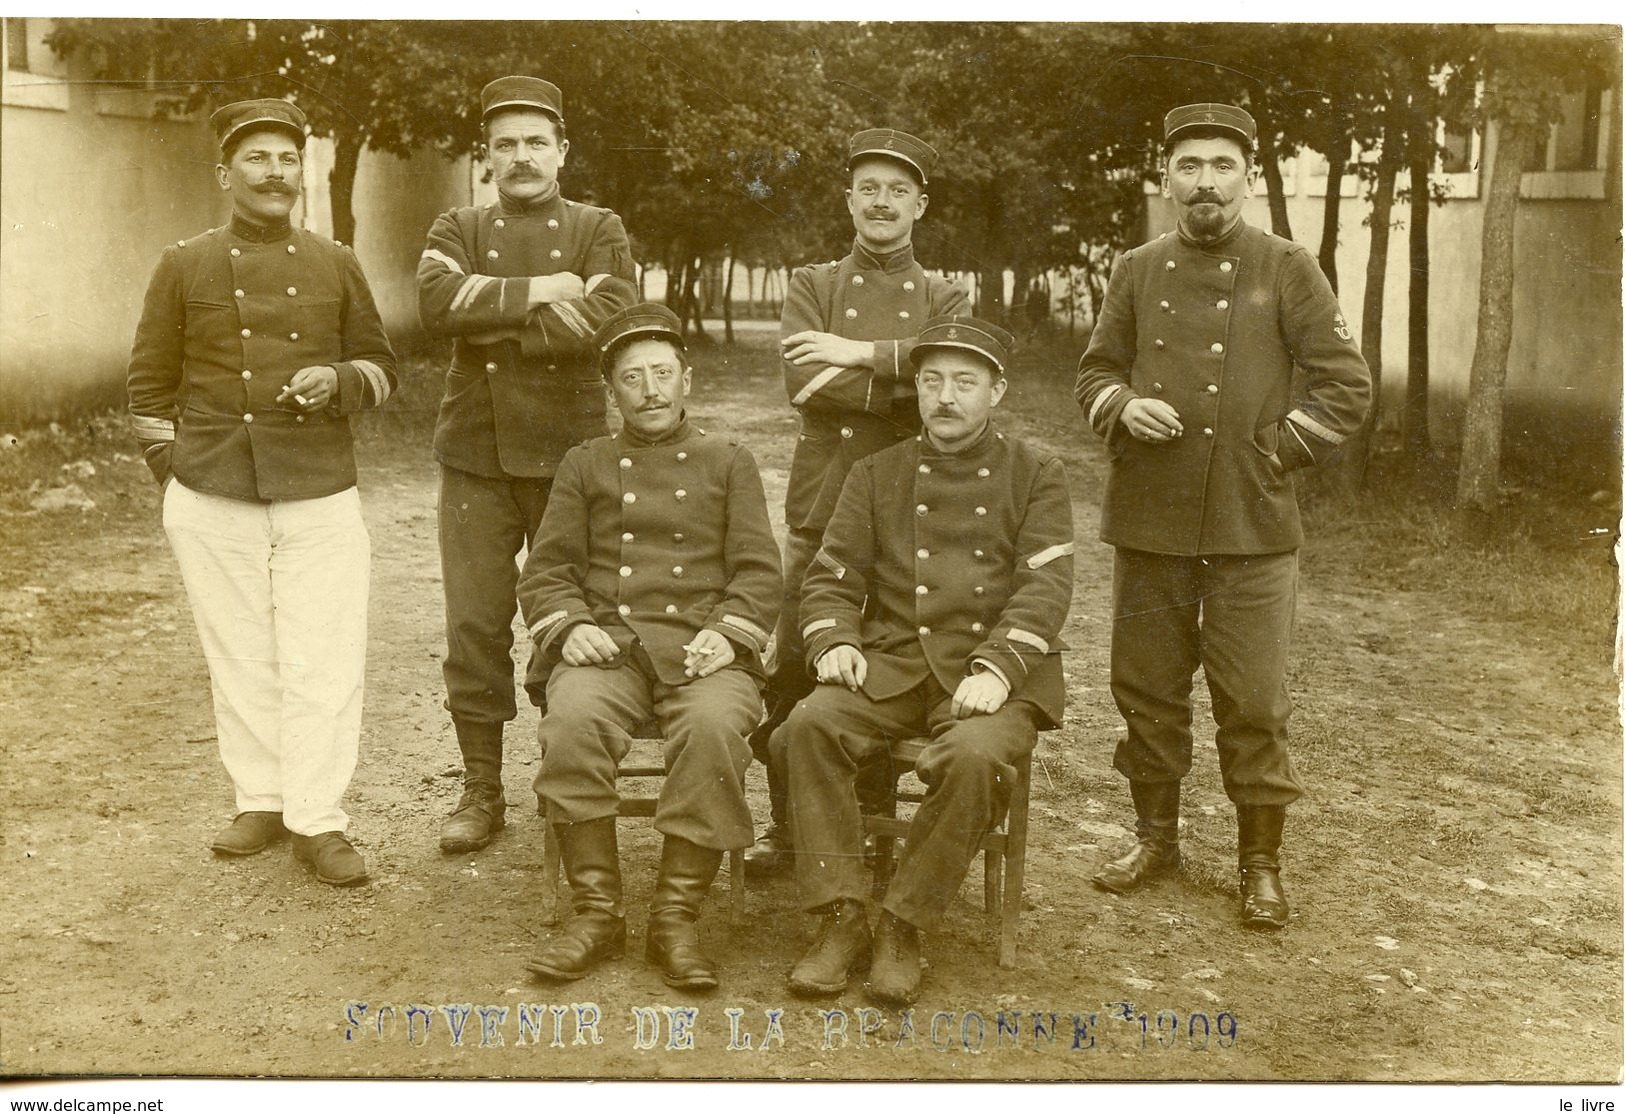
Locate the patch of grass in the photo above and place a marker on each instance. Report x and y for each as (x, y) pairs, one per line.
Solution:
(1549, 565)
(1553, 795)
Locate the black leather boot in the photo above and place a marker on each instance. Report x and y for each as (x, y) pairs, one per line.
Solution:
(1258, 851)
(597, 928)
(1156, 809)
(843, 946)
(673, 941)
(479, 814)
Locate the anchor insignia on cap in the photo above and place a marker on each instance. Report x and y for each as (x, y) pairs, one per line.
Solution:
(953, 334)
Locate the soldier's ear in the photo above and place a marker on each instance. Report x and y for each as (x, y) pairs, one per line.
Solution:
(919, 208)
(222, 176)
(1163, 174)
(1000, 385)
(564, 149)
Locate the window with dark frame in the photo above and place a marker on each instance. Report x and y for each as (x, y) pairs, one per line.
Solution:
(17, 43)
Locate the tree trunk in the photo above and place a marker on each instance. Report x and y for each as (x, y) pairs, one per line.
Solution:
(728, 299)
(1358, 452)
(695, 269)
(1478, 486)
(341, 184)
(1333, 206)
(1270, 163)
(1418, 443)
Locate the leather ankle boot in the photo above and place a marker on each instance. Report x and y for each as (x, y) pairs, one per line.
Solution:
(479, 814)
(597, 928)
(1258, 853)
(843, 946)
(673, 941)
(894, 976)
(1156, 809)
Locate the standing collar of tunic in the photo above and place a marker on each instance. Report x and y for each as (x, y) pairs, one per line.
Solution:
(891, 262)
(513, 206)
(676, 433)
(259, 233)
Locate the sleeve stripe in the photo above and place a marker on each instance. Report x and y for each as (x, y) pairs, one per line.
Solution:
(1018, 635)
(1292, 428)
(572, 318)
(818, 383)
(442, 258)
(592, 283)
(1045, 556)
(549, 620)
(469, 290)
(152, 429)
(376, 379)
(817, 625)
(147, 452)
(1100, 401)
(830, 563)
(1314, 427)
(746, 626)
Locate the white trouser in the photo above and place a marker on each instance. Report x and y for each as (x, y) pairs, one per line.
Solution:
(279, 592)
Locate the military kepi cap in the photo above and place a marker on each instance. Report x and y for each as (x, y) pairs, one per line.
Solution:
(645, 320)
(230, 121)
(969, 333)
(1226, 117)
(893, 144)
(522, 92)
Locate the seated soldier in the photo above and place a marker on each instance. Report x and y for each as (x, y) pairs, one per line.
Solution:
(933, 607)
(651, 589)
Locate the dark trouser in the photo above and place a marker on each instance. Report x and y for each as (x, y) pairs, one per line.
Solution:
(484, 525)
(968, 770)
(1231, 615)
(790, 680)
(586, 732)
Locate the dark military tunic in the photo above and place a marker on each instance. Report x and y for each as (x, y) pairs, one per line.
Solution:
(653, 543)
(1214, 330)
(961, 558)
(515, 406)
(230, 316)
(848, 413)
(933, 566)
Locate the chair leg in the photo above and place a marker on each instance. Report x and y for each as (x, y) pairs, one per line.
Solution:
(1015, 878)
(885, 864)
(736, 886)
(553, 876)
(992, 880)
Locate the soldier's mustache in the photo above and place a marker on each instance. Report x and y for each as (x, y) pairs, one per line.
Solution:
(275, 186)
(1207, 199)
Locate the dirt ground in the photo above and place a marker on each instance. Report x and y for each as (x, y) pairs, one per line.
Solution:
(1455, 871)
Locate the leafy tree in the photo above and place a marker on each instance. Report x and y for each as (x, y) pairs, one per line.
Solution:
(1525, 71)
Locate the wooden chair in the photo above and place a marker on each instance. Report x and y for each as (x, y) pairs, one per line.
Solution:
(1004, 851)
(553, 864)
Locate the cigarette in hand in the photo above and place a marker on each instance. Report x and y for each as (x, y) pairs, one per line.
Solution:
(703, 651)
